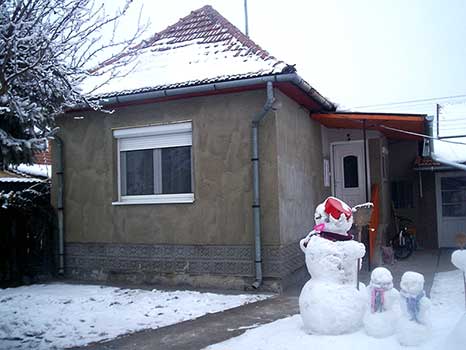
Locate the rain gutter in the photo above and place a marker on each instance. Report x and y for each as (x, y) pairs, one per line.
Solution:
(60, 204)
(292, 78)
(256, 207)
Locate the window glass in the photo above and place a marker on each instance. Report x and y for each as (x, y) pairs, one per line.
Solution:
(156, 171)
(350, 171)
(453, 196)
(176, 170)
(402, 194)
(139, 172)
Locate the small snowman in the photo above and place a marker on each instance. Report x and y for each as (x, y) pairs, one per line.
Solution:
(414, 326)
(457, 338)
(383, 311)
(329, 302)
(458, 258)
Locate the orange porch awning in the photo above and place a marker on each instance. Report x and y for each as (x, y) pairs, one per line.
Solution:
(375, 121)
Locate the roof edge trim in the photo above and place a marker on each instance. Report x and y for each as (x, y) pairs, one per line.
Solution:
(218, 86)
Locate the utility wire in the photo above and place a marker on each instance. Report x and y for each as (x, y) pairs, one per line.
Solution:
(421, 135)
(412, 101)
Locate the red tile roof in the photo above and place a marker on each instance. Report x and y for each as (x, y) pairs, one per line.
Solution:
(209, 27)
(425, 162)
(203, 47)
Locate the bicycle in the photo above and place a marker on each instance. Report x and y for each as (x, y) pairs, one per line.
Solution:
(404, 242)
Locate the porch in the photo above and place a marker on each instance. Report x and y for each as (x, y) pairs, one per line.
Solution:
(370, 157)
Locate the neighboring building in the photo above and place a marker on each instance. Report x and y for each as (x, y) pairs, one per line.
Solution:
(20, 177)
(440, 210)
(13, 180)
(162, 189)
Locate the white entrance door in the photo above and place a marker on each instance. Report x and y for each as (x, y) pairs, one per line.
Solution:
(348, 172)
(451, 207)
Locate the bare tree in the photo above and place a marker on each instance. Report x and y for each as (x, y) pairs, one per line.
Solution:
(47, 49)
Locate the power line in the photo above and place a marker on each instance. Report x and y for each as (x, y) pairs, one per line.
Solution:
(412, 101)
(421, 135)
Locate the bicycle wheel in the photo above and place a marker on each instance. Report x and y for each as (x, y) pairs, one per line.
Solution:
(403, 251)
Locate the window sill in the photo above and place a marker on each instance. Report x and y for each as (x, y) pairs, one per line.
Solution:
(178, 198)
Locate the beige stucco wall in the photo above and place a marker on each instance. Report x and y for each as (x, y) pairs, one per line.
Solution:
(221, 213)
(300, 169)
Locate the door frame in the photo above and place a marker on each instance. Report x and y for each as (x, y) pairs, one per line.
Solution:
(332, 164)
(438, 199)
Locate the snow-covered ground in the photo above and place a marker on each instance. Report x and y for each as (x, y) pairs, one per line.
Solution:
(64, 315)
(447, 308)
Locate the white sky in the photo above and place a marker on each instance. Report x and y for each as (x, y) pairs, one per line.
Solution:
(356, 53)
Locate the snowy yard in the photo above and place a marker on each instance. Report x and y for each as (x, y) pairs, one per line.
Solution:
(65, 315)
(447, 308)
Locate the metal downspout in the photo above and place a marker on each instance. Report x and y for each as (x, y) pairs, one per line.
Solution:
(60, 207)
(430, 132)
(256, 212)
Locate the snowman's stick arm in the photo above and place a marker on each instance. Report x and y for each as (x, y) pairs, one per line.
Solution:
(303, 243)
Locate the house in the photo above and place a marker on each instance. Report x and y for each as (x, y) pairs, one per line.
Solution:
(20, 177)
(441, 189)
(211, 165)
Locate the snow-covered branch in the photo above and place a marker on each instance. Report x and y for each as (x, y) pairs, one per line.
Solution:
(47, 48)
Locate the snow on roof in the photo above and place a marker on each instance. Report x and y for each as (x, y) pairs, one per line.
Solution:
(15, 176)
(39, 170)
(202, 47)
(19, 179)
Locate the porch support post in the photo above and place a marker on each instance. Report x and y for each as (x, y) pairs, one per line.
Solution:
(365, 159)
(366, 184)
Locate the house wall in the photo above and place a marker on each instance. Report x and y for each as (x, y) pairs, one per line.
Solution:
(213, 235)
(300, 177)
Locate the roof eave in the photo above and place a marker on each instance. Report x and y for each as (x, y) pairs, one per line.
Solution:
(215, 87)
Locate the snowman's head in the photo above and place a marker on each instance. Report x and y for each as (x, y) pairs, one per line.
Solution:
(335, 214)
(381, 278)
(458, 258)
(412, 283)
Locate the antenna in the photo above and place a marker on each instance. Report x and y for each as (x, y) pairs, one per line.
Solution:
(246, 26)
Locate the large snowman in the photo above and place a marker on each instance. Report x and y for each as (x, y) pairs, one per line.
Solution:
(329, 302)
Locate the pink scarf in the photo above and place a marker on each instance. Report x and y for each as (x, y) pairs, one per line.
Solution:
(377, 299)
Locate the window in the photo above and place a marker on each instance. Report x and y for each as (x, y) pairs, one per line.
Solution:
(453, 191)
(155, 164)
(402, 194)
(350, 171)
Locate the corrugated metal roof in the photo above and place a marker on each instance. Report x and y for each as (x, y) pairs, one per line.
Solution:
(13, 176)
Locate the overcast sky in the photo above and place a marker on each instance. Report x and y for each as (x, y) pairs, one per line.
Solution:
(358, 52)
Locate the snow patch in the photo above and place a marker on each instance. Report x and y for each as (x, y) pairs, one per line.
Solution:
(188, 62)
(288, 333)
(64, 315)
(40, 170)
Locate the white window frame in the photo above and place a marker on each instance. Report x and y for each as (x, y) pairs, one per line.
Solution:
(153, 137)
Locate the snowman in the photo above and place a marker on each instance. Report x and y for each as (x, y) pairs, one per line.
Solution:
(414, 325)
(457, 338)
(383, 311)
(458, 258)
(329, 302)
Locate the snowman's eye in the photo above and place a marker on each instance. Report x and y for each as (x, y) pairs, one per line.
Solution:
(318, 216)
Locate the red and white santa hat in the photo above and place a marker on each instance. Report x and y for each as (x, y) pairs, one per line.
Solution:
(335, 207)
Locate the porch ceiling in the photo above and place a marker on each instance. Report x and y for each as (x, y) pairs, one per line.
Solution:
(375, 121)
